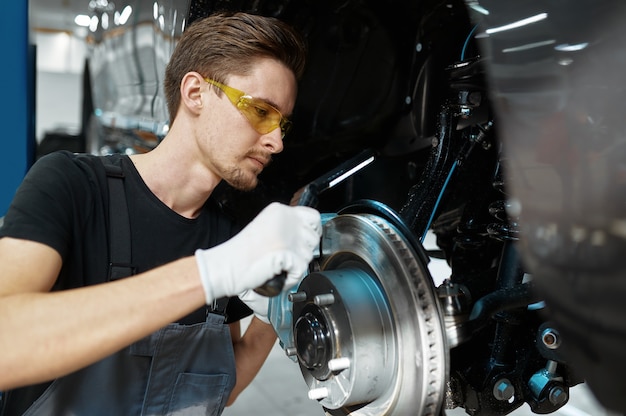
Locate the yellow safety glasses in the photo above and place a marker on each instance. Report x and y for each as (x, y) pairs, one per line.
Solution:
(262, 116)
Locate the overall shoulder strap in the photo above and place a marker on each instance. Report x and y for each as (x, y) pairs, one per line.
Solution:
(120, 255)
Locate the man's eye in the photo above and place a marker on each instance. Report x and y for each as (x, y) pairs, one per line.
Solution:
(260, 111)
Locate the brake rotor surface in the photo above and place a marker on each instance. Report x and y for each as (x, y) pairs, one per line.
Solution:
(367, 325)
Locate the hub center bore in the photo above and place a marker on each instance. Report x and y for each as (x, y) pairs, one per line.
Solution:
(313, 341)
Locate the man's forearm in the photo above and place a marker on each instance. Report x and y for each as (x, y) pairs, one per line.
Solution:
(60, 332)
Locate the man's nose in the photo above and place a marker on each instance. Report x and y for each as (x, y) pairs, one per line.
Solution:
(273, 141)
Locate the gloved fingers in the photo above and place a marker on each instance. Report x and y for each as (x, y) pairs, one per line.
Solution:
(295, 274)
(250, 297)
(307, 235)
(259, 304)
(306, 244)
(309, 217)
(292, 264)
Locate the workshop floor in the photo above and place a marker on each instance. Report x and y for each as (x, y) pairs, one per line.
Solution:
(280, 390)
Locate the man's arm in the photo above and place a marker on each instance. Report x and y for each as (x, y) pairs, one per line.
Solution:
(59, 332)
(45, 335)
(251, 351)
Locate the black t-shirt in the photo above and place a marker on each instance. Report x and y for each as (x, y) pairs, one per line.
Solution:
(63, 203)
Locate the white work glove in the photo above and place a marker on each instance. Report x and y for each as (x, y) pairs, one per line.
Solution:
(281, 238)
(258, 303)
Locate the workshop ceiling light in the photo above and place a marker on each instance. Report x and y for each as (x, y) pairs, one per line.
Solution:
(82, 20)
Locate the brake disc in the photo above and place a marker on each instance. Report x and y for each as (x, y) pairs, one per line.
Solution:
(367, 327)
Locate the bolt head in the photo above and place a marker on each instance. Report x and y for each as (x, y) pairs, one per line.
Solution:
(557, 396)
(503, 390)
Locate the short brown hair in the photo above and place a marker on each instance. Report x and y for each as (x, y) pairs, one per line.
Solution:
(227, 43)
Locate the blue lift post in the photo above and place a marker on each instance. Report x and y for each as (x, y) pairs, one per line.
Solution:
(18, 94)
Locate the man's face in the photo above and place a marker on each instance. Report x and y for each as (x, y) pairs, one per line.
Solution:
(232, 147)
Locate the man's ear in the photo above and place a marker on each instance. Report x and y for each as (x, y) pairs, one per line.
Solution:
(191, 88)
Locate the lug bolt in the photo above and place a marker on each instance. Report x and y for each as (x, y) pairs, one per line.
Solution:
(297, 297)
(339, 364)
(503, 390)
(318, 393)
(324, 299)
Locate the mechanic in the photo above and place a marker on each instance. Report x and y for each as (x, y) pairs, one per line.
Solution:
(78, 334)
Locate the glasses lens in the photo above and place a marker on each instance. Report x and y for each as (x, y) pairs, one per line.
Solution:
(262, 116)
